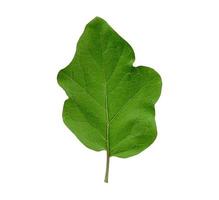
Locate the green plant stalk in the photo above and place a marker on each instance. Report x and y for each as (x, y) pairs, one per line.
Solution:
(107, 167)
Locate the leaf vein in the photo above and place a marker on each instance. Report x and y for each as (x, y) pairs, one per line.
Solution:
(82, 88)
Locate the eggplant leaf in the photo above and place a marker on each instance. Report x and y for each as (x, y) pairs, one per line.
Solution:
(110, 103)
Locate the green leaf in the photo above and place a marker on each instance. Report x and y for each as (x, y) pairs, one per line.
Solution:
(110, 103)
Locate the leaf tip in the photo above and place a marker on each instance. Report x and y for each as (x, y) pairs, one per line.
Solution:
(97, 20)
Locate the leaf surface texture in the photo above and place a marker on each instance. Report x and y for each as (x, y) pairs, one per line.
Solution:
(110, 103)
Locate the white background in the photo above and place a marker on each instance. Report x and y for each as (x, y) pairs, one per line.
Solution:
(40, 159)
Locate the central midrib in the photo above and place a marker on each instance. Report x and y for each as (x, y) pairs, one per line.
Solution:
(107, 136)
(107, 115)
(107, 119)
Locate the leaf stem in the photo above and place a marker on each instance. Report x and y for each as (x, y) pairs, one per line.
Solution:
(107, 155)
(107, 167)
